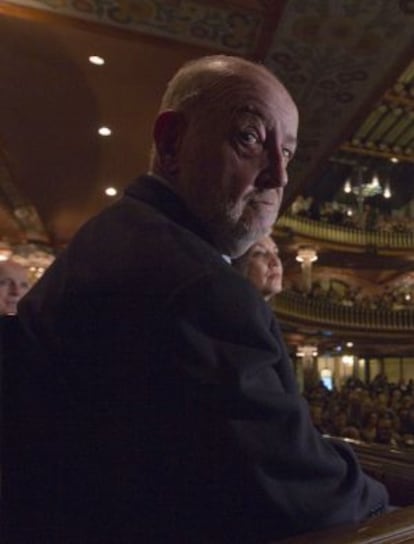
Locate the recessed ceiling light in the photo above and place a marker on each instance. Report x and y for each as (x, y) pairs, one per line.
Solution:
(111, 191)
(394, 159)
(105, 131)
(95, 59)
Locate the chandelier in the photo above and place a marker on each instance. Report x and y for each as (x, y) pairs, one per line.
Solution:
(5, 251)
(33, 256)
(364, 188)
(364, 184)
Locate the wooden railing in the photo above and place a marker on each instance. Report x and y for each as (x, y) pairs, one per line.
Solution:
(395, 469)
(345, 235)
(298, 306)
(395, 527)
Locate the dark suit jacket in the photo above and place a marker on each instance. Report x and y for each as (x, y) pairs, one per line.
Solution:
(171, 409)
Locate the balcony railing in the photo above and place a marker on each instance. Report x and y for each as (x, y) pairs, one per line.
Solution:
(298, 306)
(344, 235)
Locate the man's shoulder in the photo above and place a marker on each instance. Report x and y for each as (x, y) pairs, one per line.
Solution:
(148, 226)
(143, 243)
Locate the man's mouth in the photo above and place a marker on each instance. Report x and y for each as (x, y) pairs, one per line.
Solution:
(256, 202)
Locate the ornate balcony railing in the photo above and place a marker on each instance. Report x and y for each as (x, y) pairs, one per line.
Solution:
(299, 307)
(345, 235)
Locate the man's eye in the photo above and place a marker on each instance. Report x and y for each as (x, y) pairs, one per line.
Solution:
(287, 153)
(249, 137)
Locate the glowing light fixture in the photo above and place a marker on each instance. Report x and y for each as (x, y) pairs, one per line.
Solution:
(347, 186)
(348, 360)
(5, 251)
(307, 351)
(105, 131)
(375, 181)
(111, 191)
(394, 159)
(97, 60)
(387, 191)
(306, 255)
(35, 257)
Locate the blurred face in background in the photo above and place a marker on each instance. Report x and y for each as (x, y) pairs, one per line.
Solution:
(14, 283)
(263, 267)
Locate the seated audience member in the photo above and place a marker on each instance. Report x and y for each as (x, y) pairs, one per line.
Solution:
(386, 434)
(407, 424)
(178, 417)
(261, 264)
(317, 416)
(339, 423)
(14, 283)
(369, 427)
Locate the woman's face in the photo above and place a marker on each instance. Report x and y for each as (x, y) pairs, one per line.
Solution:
(264, 267)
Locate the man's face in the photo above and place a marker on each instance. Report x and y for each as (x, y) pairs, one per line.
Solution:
(264, 267)
(233, 158)
(13, 285)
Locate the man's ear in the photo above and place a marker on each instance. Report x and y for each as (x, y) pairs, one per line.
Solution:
(168, 132)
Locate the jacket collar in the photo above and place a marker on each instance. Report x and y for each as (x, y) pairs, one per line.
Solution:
(153, 191)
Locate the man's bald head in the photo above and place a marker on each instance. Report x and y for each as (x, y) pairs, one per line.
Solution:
(223, 138)
(203, 77)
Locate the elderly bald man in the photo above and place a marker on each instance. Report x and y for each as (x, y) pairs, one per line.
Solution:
(175, 413)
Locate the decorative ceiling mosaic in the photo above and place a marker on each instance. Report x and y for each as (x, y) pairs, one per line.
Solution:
(332, 55)
(234, 29)
(335, 56)
(388, 131)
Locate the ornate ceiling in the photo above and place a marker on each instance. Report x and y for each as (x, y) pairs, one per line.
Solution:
(337, 57)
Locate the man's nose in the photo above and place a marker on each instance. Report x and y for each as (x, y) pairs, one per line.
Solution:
(14, 289)
(274, 174)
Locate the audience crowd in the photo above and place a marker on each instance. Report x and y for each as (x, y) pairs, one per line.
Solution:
(340, 214)
(389, 299)
(378, 412)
